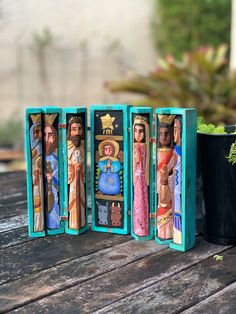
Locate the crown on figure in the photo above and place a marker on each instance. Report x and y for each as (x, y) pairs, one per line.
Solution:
(50, 118)
(140, 118)
(36, 118)
(166, 118)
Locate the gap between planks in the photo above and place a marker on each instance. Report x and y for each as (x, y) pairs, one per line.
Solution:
(224, 299)
(33, 288)
(177, 292)
(76, 295)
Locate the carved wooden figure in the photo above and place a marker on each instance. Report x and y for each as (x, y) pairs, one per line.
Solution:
(165, 177)
(109, 161)
(76, 173)
(51, 170)
(141, 213)
(178, 181)
(37, 171)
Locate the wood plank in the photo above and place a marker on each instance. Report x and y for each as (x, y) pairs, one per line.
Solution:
(27, 289)
(221, 302)
(117, 284)
(8, 211)
(182, 290)
(14, 222)
(43, 253)
(14, 237)
(11, 175)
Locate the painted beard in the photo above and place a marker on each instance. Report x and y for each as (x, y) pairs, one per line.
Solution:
(48, 148)
(76, 140)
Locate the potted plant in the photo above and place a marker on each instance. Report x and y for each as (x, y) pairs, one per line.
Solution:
(217, 168)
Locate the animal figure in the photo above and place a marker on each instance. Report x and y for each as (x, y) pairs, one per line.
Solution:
(103, 213)
(116, 214)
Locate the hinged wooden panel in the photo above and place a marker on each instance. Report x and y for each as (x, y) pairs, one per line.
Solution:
(75, 169)
(175, 177)
(110, 168)
(141, 177)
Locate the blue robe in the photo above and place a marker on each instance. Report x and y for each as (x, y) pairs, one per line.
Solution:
(109, 179)
(53, 217)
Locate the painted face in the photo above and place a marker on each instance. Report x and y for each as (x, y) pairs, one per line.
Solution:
(177, 131)
(164, 136)
(138, 133)
(49, 139)
(37, 132)
(108, 150)
(76, 131)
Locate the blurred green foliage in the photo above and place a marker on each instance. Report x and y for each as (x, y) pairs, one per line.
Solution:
(201, 80)
(232, 154)
(203, 127)
(12, 133)
(43, 39)
(184, 25)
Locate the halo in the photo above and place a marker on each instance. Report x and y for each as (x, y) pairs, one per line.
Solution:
(107, 142)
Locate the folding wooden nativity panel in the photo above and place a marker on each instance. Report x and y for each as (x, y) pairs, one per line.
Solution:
(163, 171)
(175, 171)
(143, 171)
(110, 168)
(56, 149)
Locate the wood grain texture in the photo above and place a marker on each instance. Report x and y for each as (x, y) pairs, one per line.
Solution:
(54, 279)
(14, 237)
(43, 253)
(182, 290)
(132, 279)
(14, 222)
(222, 302)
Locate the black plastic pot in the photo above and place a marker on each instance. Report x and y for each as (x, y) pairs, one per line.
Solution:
(219, 187)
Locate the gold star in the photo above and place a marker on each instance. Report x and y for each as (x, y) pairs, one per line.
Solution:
(107, 122)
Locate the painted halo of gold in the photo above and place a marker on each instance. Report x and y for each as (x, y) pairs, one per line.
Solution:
(107, 142)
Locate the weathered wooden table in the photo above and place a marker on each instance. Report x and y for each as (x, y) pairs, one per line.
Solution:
(105, 273)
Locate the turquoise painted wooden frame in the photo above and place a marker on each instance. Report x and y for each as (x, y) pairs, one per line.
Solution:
(140, 111)
(29, 176)
(59, 111)
(189, 135)
(125, 109)
(43, 110)
(74, 110)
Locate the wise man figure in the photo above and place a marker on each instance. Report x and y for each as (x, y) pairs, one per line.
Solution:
(76, 173)
(51, 172)
(165, 178)
(36, 152)
(178, 182)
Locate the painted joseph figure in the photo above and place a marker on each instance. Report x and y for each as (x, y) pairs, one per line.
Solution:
(141, 176)
(76, 173)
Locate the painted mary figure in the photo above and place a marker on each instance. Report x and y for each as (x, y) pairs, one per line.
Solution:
(109, 166)
(141, 176)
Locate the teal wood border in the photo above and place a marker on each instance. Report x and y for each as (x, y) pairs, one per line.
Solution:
(74, 110)
(125, 110)
(51, 110)
(189, 127)
(142, 110)
(28, 159)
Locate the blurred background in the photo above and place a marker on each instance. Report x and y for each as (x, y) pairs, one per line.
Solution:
(83, 52)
